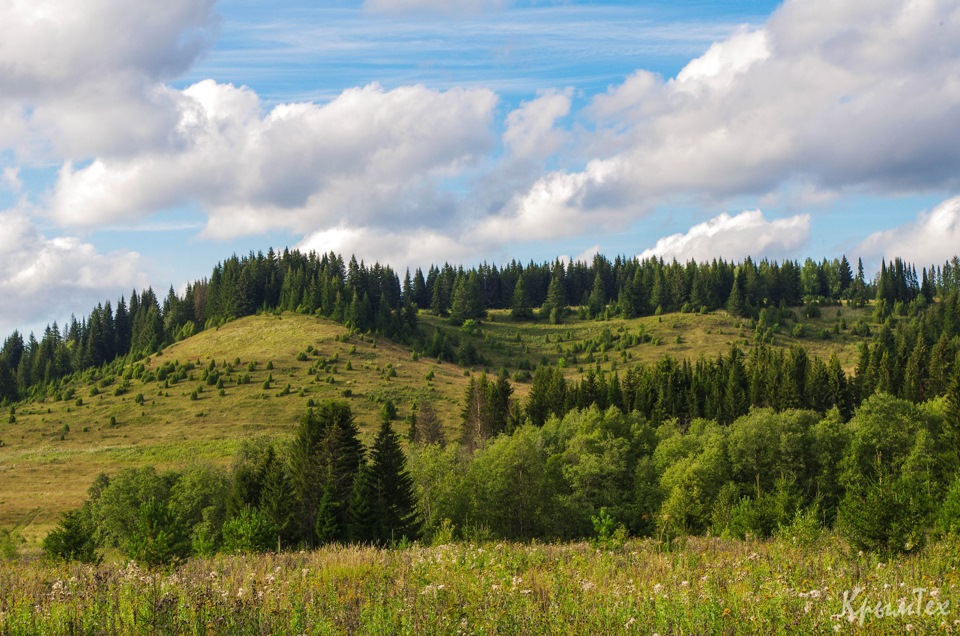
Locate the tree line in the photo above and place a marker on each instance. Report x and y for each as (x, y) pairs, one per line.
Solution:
(323, 486)
(887, 478)
(373, 298)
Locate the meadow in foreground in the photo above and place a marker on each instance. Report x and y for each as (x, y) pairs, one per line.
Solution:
(700, 586)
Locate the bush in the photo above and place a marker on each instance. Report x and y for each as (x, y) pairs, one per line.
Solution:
(73, 538)
(250, 531)
(158, 539)
(948, 520)
(885, 518)
(10, 541)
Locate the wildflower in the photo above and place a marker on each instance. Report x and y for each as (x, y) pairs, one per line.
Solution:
(685, 584)
(657, 588)
(726, 612)
(629, 623)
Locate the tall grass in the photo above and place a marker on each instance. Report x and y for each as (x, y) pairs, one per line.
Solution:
(703, 586)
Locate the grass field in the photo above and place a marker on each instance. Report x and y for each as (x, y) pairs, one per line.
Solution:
(703, 586)
(55, 448)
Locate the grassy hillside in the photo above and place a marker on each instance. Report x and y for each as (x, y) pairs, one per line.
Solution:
(167, 412)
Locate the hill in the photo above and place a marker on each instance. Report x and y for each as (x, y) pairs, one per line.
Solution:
(169, 410)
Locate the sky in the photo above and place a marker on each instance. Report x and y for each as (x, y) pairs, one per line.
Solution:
(142, 142)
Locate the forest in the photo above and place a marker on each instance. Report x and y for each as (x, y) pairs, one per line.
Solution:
(745, 444)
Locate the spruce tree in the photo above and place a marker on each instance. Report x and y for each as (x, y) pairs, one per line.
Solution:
(362, 514)
(397, 505)
(736, 305)
(326, 456)
(429, 428)
(520, 309)
(467, 302)
(598, 297)
(556, 302)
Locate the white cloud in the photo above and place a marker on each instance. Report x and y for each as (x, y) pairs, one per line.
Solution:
(832, 95)
(10, 179)
(370, 155)
(530, 128)
(42, 277)
(48, 46)
(734, 238)
(417, 248)
(82, 79)
(719, 67)
(932, 239)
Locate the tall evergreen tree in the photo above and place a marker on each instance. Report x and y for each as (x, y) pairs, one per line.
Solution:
(395, 509)
(520, 309)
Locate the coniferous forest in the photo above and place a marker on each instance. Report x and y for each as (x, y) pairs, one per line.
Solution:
(747, 443)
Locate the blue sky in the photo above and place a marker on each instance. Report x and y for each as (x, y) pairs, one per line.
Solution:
(142, 142)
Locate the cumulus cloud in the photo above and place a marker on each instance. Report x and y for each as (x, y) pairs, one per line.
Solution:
(414, 248)
(734, 238)
(530, 128)
(83, 78)
(48, 46)
(10, 179)
(370, 155)
(42, 277)
(933, 238)
(835, 95)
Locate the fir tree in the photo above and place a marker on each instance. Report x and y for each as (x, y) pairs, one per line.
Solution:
(396, 505)
(520, 309)
(427, 424)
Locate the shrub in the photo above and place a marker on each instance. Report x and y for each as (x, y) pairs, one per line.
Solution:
(158, 539)
(250, 531)
(73, 538)
(10, 541)
(948, 521)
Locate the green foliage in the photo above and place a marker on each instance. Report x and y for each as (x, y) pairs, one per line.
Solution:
(250, 531)
(73, 538)
(610, 535)
(948, 518)
(158, 539)
(10, 542)
(886, 517)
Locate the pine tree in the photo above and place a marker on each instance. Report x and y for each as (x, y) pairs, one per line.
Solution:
(555, 303)
(362, 514)
(467, 302)
(953, 407)
(520, 309)
(429, 428)
(914, 375)
(396, 513)
(326, 456)
(598, 297)
(328, 517)
(735, 303)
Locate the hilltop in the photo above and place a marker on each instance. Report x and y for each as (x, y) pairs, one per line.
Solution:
(167, 410)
